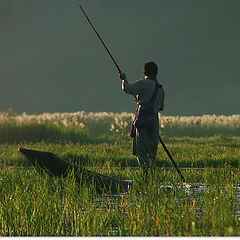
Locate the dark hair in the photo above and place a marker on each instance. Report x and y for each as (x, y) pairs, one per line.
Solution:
(151, 69)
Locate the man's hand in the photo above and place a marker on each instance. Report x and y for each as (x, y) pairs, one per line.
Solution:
(122, 76)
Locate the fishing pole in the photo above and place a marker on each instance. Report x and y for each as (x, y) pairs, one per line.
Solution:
(115, 63)
(171, 158)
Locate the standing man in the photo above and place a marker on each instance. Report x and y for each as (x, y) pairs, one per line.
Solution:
(149, 96)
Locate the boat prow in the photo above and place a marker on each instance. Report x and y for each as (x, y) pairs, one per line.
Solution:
(59, 167)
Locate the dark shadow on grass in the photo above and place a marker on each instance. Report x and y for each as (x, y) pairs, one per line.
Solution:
(199, 131)
(219, 140)
(33, 133)
(202, 163)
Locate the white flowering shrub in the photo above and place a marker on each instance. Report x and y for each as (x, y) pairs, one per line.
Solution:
(205, 125)
(107, 123)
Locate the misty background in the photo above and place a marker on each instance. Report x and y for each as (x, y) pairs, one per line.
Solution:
(52, 61)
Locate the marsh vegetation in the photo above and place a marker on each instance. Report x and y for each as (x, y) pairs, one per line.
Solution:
(207, 147)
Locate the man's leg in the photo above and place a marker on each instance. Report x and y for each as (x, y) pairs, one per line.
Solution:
(146, 147)
(142, 147)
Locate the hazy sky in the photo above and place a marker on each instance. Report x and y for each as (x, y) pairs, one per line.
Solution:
(51, 60)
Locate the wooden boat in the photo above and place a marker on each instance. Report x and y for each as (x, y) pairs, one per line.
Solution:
(58, 167)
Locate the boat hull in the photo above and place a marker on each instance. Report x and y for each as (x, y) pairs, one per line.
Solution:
(59, 167)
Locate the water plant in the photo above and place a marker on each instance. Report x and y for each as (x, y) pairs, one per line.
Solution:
(33, 204)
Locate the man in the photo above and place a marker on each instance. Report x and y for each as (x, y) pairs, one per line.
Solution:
(149, 96)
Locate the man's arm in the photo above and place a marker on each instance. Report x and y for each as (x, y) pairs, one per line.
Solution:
(131, 88)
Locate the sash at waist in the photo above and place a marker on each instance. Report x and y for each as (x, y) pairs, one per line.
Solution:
(145, 113)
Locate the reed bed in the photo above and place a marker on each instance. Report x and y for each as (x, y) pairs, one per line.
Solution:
(37, 205)
(103, 123)
(33, 204)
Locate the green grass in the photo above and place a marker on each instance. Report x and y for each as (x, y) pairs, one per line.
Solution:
(33, 204)
(37, 205)
(187, 152)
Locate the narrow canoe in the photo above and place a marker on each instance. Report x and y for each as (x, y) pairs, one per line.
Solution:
(59, 167)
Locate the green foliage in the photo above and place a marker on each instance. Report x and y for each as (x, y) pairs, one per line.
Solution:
(106, 127)
(15, 132)
(33, 204)
(37, 205)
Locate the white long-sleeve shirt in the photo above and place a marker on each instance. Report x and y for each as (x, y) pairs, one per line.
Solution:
(143, 90)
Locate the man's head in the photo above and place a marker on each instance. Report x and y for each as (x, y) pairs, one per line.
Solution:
(150, 69)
